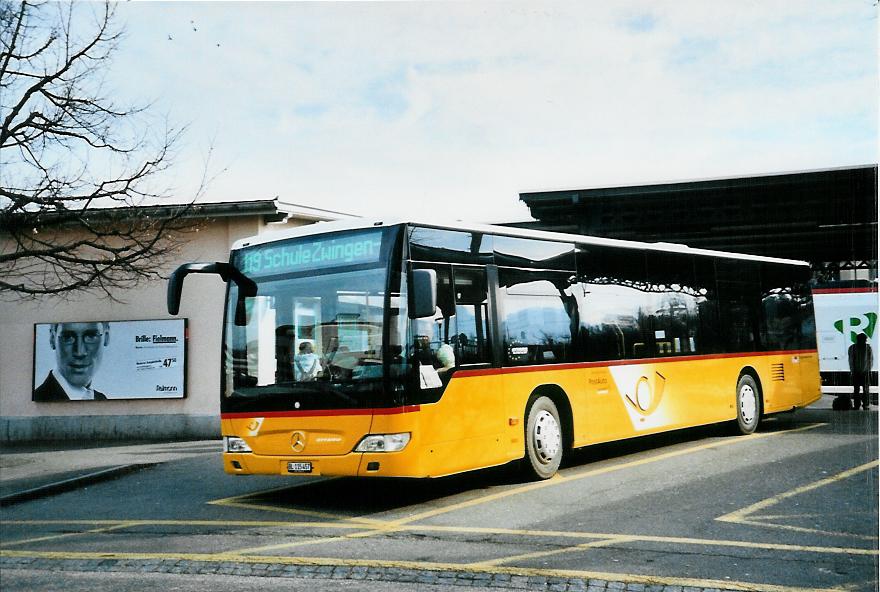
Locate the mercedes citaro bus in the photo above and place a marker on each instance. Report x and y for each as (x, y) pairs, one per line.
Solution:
(419, 350)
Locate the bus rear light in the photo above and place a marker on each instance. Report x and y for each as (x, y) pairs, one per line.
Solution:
(233, 444)
(383, 443)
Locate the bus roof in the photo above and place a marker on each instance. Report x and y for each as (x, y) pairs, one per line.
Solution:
(363, 223)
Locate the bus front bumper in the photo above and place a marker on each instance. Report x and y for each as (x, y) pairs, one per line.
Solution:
(355, 464)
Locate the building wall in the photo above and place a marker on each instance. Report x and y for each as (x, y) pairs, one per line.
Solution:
(195, 416)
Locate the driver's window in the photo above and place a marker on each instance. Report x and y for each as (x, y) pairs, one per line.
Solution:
(434, 336)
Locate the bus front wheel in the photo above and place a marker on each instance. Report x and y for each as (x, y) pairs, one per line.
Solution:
(748, 405)
(543, 435)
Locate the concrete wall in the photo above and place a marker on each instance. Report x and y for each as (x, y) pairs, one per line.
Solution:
(195, 416)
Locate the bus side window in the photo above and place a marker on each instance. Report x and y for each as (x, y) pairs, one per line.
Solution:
(708, 339)
(616, 319)
(739, 291)
(540, 315)
(675, 299)
(785, 307)
(471, 340)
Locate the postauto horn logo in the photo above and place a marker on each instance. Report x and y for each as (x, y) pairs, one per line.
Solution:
(861, 324)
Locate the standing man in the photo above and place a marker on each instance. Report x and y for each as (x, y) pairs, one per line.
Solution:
(79, 348)
(860, 361)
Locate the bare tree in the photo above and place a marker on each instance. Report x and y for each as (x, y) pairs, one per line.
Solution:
(75, 167)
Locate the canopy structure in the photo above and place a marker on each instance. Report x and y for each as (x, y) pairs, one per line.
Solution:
(827, 217)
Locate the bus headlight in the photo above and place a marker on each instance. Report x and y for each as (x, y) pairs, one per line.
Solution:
(383, 443)
(233, 444)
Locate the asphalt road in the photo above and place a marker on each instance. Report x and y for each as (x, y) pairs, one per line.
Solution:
(792, 507)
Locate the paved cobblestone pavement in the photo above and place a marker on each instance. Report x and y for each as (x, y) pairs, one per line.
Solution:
(340, 572)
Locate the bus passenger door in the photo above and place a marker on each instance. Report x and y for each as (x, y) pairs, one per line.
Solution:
(479, 389)
(465, 413)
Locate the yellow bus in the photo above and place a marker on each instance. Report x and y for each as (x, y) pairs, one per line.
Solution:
(409, 349)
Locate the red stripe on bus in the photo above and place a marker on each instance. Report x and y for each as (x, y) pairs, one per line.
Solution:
(605, 364)
(322, 412)
(508, 370)
(845, 290)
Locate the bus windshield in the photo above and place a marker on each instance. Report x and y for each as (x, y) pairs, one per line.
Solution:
(313, 336)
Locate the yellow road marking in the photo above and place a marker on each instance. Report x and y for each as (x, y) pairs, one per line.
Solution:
(645, 538)
(310, 482)
(744, 515)
(242, 501)
(592, 473)
(317, 541)
(65, 535)
(539, 554)
(264, 492)
(788, 516)
(431, 566)
(861, 537)
(771, 522)
(262, 549)
(369, 531)
(295, 511)
(772, 501)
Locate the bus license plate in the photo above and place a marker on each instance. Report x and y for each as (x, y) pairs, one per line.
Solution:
(299, 467)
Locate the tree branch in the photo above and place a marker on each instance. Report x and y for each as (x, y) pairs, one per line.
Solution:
(63, 226)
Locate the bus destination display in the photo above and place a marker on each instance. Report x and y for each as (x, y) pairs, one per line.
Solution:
(351, 249)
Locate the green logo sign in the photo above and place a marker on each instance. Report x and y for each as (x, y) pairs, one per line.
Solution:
(863, 324)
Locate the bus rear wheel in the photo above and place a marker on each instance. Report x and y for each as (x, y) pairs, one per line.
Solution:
(748, 405)
(543, 435)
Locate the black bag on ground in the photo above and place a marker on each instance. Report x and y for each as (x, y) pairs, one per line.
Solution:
(841, 403)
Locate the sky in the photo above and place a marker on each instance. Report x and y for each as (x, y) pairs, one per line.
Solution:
(452, 109)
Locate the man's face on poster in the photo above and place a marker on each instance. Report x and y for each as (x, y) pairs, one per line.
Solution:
(78, 350)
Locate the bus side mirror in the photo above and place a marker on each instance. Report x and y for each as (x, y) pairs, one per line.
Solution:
(423, 285)
(227, 272)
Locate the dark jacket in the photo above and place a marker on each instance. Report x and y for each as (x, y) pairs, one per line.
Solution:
(860, 358)
(51, 390)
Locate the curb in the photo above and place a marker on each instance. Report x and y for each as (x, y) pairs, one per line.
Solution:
(329, 571)
(72, 483)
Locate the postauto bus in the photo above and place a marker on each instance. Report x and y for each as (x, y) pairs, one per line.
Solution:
(420, 350)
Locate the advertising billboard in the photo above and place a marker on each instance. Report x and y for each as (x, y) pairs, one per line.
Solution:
(103, 360)
(840, 316)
